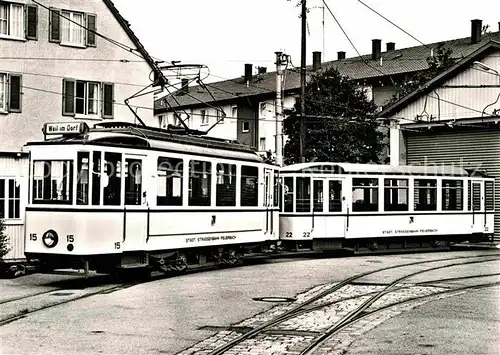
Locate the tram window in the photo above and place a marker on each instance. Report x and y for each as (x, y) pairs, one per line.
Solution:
(303, 201)
(53, 182)
(364, 195)
(277, 190)
(225, 191)
(489, 199)
(112, 179)
(82, 179)
(318, 195)
(200, 186)
(249, 186)
(289, 192)
(335, 196)
(395, 195)
(170, 171)
(96, 178)
(133, 182)
(452, 195)
(425, 194)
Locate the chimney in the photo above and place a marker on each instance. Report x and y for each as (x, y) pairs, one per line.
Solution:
(376, 48)
(340, 55)
(185, 86)
(391, 46)
(476, 28)
(316, 60)
(248, 72)
(262, 70)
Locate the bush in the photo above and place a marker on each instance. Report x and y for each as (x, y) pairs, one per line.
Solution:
(4, 240)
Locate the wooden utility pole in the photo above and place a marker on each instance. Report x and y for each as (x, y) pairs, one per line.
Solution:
(302, 135)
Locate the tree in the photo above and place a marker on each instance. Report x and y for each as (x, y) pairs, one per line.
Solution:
(340, 122)
(4, 240)
(438, 63)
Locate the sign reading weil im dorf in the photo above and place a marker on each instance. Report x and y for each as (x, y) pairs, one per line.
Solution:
(63, 128)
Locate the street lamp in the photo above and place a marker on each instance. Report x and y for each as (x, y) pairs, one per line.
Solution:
(487, 68)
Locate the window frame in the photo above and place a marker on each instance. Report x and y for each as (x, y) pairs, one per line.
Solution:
(243, 129)
(173, 171)
(9, 5)
(7, 196)
(48, 188)
(458, 199)
(433, 194)
(9, 93)
(105, 109)
(364, 207)
(70, 21)
(392, 190)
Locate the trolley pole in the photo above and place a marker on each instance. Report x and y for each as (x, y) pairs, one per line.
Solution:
(279, 110)
(302, 135)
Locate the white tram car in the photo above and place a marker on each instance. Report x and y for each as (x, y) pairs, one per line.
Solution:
(124, 196)
(329, 206)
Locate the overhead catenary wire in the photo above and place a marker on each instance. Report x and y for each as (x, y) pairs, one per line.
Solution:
(392, 23)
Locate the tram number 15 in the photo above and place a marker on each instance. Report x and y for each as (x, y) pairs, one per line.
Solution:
(117, 245)
(33, 236)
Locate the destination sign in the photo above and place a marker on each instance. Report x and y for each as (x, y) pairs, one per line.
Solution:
(64, 128)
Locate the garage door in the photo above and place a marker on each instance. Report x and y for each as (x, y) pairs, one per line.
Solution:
(469, 149)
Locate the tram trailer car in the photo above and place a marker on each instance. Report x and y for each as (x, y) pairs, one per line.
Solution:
(120, 196)
(329, 206)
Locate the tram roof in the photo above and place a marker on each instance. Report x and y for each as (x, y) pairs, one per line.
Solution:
(377, 169)
(127, 135)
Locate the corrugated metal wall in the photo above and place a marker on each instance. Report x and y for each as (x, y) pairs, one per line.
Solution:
(15, 232)
(470, 149)
(13, 167)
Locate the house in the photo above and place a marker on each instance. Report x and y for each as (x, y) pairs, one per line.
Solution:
(248, 101)
(454, 119)
(61, 61)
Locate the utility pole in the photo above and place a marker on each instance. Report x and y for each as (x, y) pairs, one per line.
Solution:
(302, 135)
(280, 60)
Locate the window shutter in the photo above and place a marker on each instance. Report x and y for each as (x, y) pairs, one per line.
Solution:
(91, 26)
(68, 97)
(31, 24)
(107, 100)
(54, 25)
(14, 93)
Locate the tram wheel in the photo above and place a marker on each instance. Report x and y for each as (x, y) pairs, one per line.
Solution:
(181, 262)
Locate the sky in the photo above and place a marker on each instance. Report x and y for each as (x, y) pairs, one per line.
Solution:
(226, 34)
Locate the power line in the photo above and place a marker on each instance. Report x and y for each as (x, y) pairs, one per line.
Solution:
(392, 23)
(63, 77)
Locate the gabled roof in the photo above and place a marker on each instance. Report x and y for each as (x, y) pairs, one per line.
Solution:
(395, 62)
(126, 27)
(438, 80)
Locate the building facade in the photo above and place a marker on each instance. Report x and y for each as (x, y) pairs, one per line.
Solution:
(60, 62)
(454, 120)
(378, 73)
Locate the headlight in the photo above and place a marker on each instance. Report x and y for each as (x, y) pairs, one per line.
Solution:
(50, 238)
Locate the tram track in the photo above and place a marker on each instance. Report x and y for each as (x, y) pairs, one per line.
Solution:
(305, 306)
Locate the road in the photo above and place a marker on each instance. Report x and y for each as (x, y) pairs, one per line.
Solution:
(196, 312)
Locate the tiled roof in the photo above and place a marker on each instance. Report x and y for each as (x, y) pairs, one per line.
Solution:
(398, 61)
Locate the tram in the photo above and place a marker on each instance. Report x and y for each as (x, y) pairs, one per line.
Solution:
(329, 206)
(119, 196)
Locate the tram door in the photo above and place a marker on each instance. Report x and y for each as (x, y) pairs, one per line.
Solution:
(318, 228)
(135, 222)
(337, 223)
(268, 200)
(476, 204)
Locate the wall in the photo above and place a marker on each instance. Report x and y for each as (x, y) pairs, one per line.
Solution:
(43, 66)
(15, 166)
(464, 96)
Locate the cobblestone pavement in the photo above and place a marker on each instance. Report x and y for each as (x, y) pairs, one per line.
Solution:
(293, 335)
